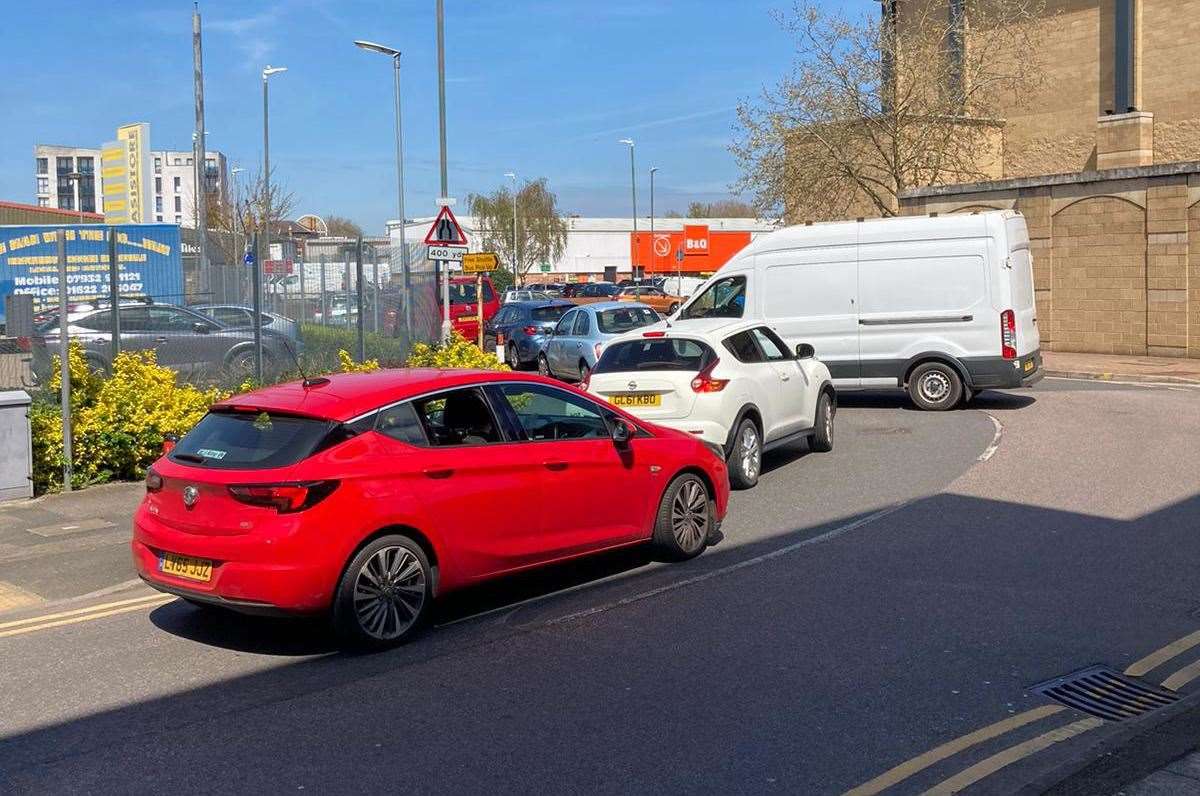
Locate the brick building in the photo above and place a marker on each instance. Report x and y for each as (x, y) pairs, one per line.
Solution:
(1104, 162)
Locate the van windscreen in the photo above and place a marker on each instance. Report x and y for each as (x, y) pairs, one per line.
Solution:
(724, 298)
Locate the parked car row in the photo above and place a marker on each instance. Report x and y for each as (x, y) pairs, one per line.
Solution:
(368, 496)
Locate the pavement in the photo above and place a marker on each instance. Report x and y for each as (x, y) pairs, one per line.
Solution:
(874, 620)
(1180, 778)
(1106, 367)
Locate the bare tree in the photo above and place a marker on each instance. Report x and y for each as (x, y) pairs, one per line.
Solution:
(876, 104)
(342, 227)
(726, 208)
(236, 217)
(541, 234)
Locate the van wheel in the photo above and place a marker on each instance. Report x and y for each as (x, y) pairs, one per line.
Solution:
(822, 438)
(935, 386)
(745, 456)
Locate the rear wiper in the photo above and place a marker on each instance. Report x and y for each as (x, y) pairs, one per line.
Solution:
(189, 457)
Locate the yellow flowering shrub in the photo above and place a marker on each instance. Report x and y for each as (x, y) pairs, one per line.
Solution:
(346, 363)
(460, 353)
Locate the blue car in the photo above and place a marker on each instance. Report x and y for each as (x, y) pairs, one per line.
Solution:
(525, 326)
(581, 334)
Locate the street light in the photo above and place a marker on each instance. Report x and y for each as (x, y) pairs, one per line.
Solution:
(394, 54)
(516, 254)
(633, 191)
(264, 252)
(653, 252)
(76, 177)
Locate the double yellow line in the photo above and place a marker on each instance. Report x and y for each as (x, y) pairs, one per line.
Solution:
(33, 624)
(1012, 754)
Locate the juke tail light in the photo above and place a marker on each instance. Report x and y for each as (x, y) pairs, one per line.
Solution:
(284, 498)
(704, 382)
(1008, 334)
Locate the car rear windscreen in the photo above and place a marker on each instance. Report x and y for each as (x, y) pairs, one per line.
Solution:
(625, 319)
(250, 440)
(654, 354)
(548, 313)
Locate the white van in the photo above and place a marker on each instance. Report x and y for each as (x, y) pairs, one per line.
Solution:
(940, 305)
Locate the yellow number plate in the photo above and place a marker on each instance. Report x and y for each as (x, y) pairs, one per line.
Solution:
(185, 567)
(636, 399)
(1029, 364)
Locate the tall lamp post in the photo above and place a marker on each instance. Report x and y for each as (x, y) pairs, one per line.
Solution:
(264, 252)
(653, 253)
(394, 54)
(516, 251)
(633, 193)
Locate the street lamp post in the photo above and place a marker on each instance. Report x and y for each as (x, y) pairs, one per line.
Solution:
(265, 250)
(653, 252)
(394, 54)
(633, 192)
(516, 250)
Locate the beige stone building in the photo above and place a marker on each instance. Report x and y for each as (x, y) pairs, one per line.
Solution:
(1104, 162)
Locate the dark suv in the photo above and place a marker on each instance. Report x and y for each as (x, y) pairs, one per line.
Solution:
(186, 341)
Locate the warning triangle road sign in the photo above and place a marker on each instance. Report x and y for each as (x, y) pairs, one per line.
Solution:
(445, 230)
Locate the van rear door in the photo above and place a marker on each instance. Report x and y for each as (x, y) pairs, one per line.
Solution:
(1020, 270)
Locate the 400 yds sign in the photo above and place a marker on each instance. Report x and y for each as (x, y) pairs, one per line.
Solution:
(148, 262)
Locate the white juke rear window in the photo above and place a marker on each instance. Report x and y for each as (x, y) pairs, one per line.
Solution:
(659, 353)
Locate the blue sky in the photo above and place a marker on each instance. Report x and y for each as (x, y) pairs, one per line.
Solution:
(540, 87)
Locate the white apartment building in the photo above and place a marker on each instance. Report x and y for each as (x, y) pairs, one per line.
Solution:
(173, 174)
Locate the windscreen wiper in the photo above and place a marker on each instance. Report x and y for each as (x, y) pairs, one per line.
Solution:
(189, 457)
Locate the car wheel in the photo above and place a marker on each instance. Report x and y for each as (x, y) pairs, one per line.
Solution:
(671, 309)
(745, 458)
(585, 371)
(510, 357)
(241, 364)
(822, 438)
(544, 366)
(935, 386)
(685, 518)
(385, 594)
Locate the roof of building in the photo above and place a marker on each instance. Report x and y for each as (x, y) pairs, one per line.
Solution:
(49, 211)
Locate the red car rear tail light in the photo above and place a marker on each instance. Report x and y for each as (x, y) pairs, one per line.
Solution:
(284, 498)
(1008, 334)
(704, 382)
(154, 482)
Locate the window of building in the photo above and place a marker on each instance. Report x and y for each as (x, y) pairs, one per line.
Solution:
(43, 201)
(178, 219)
(189, 161)
(176, 185)
(43, 165)
(1124, 57)
(178, 161)
(158, 205)
(178, 204)
(65, 165)
(87, 165)
(158, 165)
(66, 201)
(158, 184)
(43, 185)
(158, 218)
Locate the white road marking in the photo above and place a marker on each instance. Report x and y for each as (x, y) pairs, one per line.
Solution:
(991, 449)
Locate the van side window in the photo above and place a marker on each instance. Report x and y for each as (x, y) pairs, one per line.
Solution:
(724, 298)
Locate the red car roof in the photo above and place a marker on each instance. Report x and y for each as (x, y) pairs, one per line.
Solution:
(348, 395)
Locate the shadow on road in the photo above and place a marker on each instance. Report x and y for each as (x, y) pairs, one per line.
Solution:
(898, 399)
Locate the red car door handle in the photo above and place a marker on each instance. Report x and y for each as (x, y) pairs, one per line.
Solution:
(555, 465)
(439, 473)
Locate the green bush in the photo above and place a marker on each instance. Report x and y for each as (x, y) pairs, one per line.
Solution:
(322, 344)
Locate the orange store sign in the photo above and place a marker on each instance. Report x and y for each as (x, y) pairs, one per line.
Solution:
(703, 250)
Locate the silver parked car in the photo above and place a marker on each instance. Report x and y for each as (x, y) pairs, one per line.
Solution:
(579, 338)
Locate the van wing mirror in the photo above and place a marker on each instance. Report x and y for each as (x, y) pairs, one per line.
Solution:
(805, 351)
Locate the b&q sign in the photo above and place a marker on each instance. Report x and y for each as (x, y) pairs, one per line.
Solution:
(695, 239)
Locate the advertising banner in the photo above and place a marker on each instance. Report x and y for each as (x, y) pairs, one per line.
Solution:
(695, 249)
(114, 176)
(148, 262)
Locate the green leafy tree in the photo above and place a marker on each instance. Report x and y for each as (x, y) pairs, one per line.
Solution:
(541, 231)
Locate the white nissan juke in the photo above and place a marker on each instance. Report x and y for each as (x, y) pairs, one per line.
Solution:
(731, 382)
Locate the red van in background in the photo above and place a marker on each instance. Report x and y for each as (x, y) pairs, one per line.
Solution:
(464, 309)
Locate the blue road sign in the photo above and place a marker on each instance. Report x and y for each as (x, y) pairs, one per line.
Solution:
(249, 258)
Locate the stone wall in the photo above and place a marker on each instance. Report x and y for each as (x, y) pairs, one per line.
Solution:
(1116, 254)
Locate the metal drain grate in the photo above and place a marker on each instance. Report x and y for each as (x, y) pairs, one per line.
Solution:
(1106, 693)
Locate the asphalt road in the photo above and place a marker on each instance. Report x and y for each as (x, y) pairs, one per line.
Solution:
(868, 609)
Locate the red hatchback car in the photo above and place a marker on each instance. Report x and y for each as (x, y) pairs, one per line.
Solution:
(367, 495)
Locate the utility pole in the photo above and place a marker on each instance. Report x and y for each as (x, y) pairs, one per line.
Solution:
(653, 253)
(64, 349)
(516, 250)
(633, 190)
(444, 267)
(201, 148)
